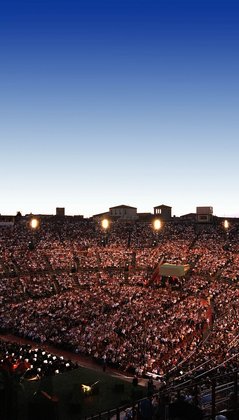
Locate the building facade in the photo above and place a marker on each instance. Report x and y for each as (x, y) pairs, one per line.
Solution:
(123, 212)
(163, 212)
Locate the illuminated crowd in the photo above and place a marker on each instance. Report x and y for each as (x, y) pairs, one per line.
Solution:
(72, 285)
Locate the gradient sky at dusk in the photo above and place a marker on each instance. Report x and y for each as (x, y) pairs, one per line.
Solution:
(108, 102)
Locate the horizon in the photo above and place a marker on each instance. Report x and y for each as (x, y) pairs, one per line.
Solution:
(106, 211)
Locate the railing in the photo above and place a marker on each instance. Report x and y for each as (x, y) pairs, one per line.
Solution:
(220, 398)
(117, 413)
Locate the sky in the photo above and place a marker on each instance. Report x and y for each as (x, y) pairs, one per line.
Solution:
(109, 102)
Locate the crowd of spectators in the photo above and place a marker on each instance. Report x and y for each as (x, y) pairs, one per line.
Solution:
(74, 286)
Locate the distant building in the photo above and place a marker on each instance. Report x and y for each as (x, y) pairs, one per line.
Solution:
(204, 214)
(123, 212)
(101, 216)
(189, 217)
(164, 212)
(145, 217)
(6, 220)
(60, 211)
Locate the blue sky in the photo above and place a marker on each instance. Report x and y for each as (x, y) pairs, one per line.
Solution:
(107, 102)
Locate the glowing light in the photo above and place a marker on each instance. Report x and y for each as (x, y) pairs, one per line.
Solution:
(34, 378)
(226, 224)
(34, 223)
(105, 224)
(157, 224)
(86, 388)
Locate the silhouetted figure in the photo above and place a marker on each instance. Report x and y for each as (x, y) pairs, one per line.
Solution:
(182, 410)
(135, 380)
